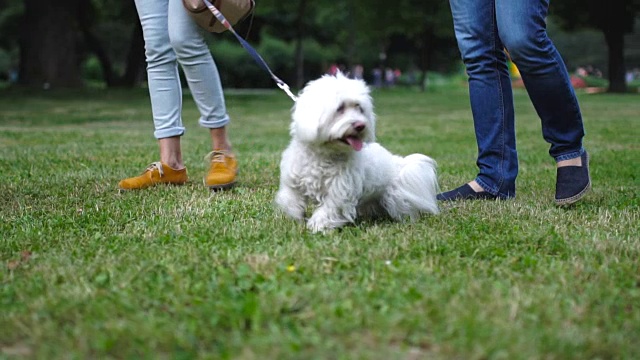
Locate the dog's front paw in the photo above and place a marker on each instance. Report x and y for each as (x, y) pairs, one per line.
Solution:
(318, 227)
(324, 221)
(290, 203)
(319, 224)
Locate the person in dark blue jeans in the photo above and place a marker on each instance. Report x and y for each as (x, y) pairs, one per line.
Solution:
(484, 29)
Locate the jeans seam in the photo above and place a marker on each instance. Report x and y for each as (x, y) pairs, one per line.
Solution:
(494, 31)
(566, 83)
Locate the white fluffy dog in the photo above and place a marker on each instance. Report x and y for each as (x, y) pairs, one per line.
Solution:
(334, 163)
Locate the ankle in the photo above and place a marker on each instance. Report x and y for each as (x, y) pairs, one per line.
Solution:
(176, 166)
(571, 162)
(475, 186)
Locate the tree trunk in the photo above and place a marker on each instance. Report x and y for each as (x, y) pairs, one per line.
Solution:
(135, 58)
(93, 43)
(423, 80)
(48, 45)
(425, 56)
(615, 43)
(299, 53)
(353, 35)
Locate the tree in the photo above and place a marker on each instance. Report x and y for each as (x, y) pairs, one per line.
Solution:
(10, 17)
(92, 17)
(56, 37)
(423, 28)
(300, 33)
(614, 18)
(298, 21)
(48, 44)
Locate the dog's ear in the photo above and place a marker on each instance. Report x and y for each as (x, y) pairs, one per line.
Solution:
(303, 131)
(367, 107)
(307, 116)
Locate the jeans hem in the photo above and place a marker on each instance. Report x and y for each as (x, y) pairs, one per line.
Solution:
(486, 187)
(493, 192)
(214, 123)
(569, 156)
(167, 133)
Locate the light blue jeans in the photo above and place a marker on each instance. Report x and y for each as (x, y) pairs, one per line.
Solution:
(484, 28)
(171, 36)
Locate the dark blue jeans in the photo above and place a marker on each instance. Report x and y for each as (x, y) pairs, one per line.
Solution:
(484, 29)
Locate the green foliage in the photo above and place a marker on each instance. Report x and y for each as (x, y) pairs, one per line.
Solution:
(239, 70)
(236, 67)
(412, 34)
(178, 272)
(595, 81)
(5, 63)
(579, 48)
(91, 69)
(277, 52)
(613, 16)
(635, 84)
(10, 22)
(115, 37)
(360, 31)
(318, 57)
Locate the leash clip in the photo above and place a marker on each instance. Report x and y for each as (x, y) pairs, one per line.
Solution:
(282, 85)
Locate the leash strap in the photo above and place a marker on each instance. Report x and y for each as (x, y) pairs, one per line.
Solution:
(254, 54)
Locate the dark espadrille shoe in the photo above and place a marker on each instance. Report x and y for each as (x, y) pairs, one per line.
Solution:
(465, 192)
(573, 182)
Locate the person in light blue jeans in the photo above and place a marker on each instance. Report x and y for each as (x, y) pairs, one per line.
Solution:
(171, 37)
(484, 29)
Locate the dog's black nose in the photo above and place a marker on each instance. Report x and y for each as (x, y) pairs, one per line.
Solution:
(359, 126)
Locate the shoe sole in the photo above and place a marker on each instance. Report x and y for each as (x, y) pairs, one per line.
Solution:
(575, 198)
(121, 190)
(221, 187)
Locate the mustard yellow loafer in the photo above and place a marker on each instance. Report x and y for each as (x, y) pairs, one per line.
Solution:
(223, 169)
(155, 174)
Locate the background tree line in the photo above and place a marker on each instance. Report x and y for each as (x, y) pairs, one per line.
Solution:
(67, 43)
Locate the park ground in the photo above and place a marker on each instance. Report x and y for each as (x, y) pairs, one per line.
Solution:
(182, 273)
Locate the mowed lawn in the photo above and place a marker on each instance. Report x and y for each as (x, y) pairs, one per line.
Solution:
(182, 273)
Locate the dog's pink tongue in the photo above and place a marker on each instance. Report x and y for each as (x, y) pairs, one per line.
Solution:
(355, 143)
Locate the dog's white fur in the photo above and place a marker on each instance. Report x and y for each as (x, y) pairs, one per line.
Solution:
(334, 163)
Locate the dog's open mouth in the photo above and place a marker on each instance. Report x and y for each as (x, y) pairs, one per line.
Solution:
(353, 141)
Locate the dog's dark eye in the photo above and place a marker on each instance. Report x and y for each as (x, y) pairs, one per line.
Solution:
(341, 108)
(359, 108)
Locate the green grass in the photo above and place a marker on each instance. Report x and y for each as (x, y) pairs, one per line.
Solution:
(180, 273)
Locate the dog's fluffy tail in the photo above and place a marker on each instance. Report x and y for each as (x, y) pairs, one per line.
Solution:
(414, 189)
